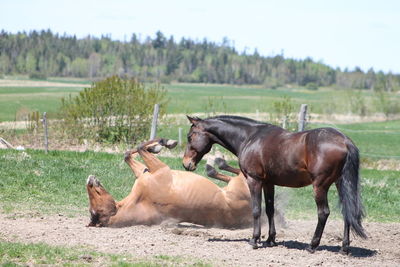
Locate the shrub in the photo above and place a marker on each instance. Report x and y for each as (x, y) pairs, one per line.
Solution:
(357, 102)
(385, 104)
(37, 76)
(283, 114)
(113, 110)
(312, 86)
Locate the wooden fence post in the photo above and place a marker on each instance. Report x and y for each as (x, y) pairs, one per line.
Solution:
(284, 122)
(153, 131)
(302, 117)
(180, 136)
(46, 138)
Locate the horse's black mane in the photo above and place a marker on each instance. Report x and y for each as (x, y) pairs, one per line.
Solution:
(236, 119)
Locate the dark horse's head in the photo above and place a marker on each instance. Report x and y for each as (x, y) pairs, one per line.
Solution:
(199, 143)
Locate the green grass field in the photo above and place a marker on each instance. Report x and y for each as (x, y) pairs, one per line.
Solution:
(19, 254)
(33, 181)
(16, 100)
(186, 98)
(374, 139)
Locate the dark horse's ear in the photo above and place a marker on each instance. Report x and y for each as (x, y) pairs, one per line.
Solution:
(193, 120)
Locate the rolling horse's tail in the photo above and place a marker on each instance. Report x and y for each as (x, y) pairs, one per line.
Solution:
(349, 191)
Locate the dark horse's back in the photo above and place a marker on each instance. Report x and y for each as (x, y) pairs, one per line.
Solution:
(294, 159)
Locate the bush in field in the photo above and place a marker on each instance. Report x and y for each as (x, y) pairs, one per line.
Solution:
(214, 105)
(385, 104)
(357, 102)
(113, 110)
(284, 113)
(37, 76)
(312, 86)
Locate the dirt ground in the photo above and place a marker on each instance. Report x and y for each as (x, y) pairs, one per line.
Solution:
(219, 247)
(31, 83)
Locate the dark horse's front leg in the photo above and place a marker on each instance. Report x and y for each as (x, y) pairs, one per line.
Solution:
(255, 186)
(269, 193)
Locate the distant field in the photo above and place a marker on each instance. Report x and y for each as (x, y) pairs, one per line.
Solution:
(17, 100)
(188, 98)
(374, 139)
(183, 98)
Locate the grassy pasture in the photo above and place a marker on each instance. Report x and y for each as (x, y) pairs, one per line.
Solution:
(374, 139)
(188, 98)
(185, 98)
(17, 254)
(13, 100)
(36, 182)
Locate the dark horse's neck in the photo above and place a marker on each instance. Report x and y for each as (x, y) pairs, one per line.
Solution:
(231, 131)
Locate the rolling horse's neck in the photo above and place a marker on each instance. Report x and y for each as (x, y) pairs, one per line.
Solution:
(229, 135)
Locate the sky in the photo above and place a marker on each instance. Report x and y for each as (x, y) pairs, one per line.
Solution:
(340, 33)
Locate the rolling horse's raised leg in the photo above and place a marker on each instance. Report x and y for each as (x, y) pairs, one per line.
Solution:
(144, 149)
(269, 192)
(321, 198)
(255, 187)
(222, 165)
(212, 172)
(151, 161)
(136, 166)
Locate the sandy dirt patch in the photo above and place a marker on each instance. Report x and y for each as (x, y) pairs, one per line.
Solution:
(220, 247)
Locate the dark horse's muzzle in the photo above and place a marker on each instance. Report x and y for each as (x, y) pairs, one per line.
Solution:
(189, 164)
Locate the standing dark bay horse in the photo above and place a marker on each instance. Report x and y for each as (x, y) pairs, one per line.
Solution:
(269, 155)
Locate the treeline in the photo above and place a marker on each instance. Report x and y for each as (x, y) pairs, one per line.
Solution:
(162, 58)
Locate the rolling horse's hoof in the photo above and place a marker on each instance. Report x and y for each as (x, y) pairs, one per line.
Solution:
(127, 155)
(155, 149)
(168, 143)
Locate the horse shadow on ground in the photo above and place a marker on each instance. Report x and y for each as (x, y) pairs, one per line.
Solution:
(356, 252)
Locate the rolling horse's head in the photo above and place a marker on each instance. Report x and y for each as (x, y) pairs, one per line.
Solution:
(102, 204)
(199, 143)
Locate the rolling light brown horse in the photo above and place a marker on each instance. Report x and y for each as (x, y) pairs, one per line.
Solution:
(161, 194)
(269, 155)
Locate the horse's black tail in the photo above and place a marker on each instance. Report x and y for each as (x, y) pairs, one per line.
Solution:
(349, 191)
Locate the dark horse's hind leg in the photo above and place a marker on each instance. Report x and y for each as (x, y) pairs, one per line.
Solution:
(269, 192)
(321, 198)
(346, 239)
(255, 187)
(346, 233)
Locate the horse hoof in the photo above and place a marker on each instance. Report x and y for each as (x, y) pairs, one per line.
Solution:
(271, 244)
(155, 149)
(92, 181)
(170, 144)
(344, 251)
(310, 249)
(253, 244)
(127, 155)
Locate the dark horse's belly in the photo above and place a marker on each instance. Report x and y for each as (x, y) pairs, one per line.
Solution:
(294, 178)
